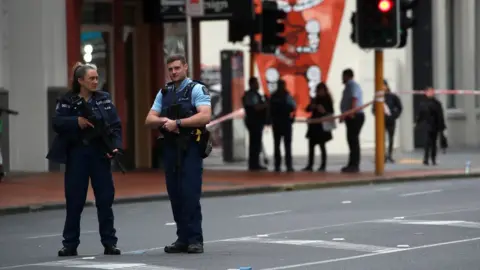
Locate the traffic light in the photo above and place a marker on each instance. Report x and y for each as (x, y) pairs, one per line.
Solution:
(272, 26)
(377, 24)
(242, 23)
(406, 22)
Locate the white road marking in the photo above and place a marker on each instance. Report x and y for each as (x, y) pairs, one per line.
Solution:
(140, 251)
(54, 235)
(421, 193)
(403, 246)
(371, 254)
(308, 229)
(346, 202)
(338, 239)
(264, 214)
(170, 224)
(105, 265)
(316, 243)
(384, 189)
(453, 223)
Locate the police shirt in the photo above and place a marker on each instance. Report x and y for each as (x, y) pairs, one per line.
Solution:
(200, 96)
(352, 91)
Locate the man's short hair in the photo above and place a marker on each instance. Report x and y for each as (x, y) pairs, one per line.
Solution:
(252, 80)
(348, 72)
(176, 57)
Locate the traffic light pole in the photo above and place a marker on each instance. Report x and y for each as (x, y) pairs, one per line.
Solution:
(379, 115)
(252, 55)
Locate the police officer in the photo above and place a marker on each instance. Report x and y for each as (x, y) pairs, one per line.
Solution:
(255, 119)
(85, 160)
(181, 109)
(282, 107)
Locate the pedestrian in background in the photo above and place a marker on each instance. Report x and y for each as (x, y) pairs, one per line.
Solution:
(319, 133)
(85, 159)
(282, 108)
(256, 113)
(393, 111)
(431, 122)
(352, 98)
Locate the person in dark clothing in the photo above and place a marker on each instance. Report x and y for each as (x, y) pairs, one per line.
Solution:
(282, 106)
(320, 106)
(255, 119)
(431, 120)
(78, 147)
(352, 98)
(395, 109)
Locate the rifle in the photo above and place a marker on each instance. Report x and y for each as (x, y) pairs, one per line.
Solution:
(100, 130)
(181, 139)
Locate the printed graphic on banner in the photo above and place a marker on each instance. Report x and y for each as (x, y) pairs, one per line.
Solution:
(311, 30)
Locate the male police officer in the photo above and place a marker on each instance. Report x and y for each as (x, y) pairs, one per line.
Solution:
(180, 110)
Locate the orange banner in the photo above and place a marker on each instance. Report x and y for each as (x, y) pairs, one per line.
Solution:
(311, 30)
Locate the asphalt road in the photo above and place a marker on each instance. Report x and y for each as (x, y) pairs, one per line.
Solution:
(423, 225)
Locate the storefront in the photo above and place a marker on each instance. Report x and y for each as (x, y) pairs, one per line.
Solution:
(41, 40)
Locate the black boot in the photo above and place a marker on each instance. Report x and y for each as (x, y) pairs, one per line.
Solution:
(195, 248)
(67, 252)
(112, 250)
(176, 247)
(308, 168)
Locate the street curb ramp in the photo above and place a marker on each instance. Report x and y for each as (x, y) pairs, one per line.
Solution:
(253, 190)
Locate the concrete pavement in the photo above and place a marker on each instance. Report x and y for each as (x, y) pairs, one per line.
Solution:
(418, 225)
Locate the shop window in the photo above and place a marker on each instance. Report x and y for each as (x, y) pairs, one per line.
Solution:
(95, 48)
(97, 13)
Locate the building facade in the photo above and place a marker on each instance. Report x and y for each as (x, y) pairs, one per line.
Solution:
(41, 40)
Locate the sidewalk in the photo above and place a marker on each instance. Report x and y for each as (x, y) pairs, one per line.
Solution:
(24, 193)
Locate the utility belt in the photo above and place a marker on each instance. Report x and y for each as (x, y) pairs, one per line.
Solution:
(201, 136)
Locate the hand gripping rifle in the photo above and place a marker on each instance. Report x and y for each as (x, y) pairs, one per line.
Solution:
(100, 130)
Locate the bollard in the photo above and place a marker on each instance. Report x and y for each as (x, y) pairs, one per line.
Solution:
(467, 167)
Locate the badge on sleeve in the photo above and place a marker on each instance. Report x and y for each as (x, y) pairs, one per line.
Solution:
(205, 91)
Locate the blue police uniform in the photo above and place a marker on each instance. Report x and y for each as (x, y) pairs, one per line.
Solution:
(184, 191)
(83, 162)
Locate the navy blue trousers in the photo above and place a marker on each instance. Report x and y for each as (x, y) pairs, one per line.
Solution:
(86, 162)
(184, 190)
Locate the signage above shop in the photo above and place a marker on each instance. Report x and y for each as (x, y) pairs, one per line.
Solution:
(174, 10)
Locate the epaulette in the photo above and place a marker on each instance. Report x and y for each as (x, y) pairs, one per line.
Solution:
(65, 96)
(99, 95)
(165, 89)
(199, 82)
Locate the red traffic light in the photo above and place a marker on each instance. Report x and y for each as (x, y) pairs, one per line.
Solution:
(385, 5)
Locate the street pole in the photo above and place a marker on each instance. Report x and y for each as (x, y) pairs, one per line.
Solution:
(252, 55)
(190, 46)
(379, 115)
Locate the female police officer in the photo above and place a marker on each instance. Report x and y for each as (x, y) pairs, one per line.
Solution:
(84, 159)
